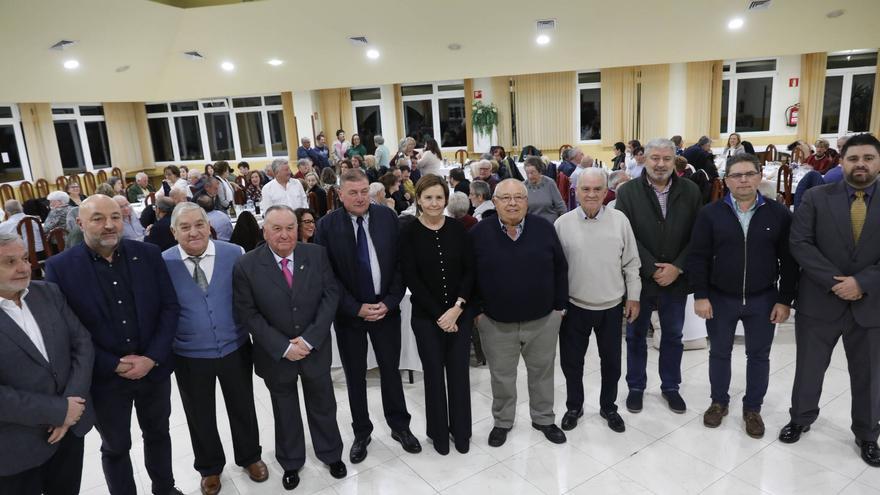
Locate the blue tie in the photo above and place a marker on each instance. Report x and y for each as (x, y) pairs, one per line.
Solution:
(364, 269)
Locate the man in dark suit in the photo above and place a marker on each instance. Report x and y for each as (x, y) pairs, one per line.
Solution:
(361, 241)
(285, 296)
(834, 238)
(160, 232)
(46, 360)
(121, 292)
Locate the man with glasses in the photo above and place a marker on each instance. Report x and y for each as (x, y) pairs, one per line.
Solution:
(739, 249)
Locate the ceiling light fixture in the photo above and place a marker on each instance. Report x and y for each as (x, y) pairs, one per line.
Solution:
(735, 23)
(227, 66)
(275, 62)
(835, 13)
(123, 68)
(544, 28)
(542, 39)
(372, 54)
(71, 64)
(454, 47)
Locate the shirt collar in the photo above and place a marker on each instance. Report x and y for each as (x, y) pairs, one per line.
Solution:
(7, 302)
(869, 191)
(366, 216)
(279, 258)
(119, 251)
(209, 251)
(519, 227)
(584, 213)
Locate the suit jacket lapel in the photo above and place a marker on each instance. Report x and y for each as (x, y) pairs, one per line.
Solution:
(349, 241)
(300, 272)
(872, 219)
(11, 329)
(90, 279)
(274, 269)
(48, 327)
(839, 206)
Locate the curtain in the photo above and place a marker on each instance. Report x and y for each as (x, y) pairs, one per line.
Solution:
(654, 102)
(42, 145)
(501, 98)
(335, 111)
(812, 95)
(398, 111)
(291, 133)
(703, 104)
(874, 127)
(143, 130)
(619, 97)
(545, 109)
(468, 113)
(122, 134)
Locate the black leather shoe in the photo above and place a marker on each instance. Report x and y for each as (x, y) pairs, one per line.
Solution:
(175, 491)
(463, 447)
(338, 470)
(290, 479)
(570, 419)
(791, 432)
(359, 450)
(634, 401)
(498, 436)
(407, 441)
(552, 432)
(870, 452)
(675, 402)
(615, 422)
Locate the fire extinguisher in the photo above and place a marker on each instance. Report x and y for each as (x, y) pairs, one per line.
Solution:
(791, 115)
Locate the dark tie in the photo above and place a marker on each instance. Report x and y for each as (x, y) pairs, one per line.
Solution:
(364, 269)
(198, 274)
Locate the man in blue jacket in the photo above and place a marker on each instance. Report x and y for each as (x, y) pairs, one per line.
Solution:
(739, 250)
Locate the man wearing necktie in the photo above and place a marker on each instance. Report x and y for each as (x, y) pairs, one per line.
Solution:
(361, 241)
(210, 346)
(286, 296)
(834, 238)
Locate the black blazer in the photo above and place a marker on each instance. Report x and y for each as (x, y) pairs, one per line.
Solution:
(335, 232)
(160, 234)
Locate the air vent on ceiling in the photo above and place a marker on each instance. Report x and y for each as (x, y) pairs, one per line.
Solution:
(759, 5)
(546, 25)
(194, 55)
(358, 40)
(62, 45)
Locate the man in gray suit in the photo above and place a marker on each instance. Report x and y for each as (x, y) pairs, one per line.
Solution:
(834, 237)
(46, 358)
(285, 295)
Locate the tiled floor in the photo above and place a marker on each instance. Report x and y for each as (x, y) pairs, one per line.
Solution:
(660, 452)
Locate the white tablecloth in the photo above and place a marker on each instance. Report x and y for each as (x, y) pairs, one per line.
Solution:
(695, 327)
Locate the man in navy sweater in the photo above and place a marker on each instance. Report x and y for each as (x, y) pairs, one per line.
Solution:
(739, 249)
(524, 289)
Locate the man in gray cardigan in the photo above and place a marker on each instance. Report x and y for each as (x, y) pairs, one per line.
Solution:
(661, 208)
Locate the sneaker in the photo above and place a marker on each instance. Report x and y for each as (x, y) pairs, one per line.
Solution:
(675, 402)
(713, 416)
(754, 424)
(634, 401)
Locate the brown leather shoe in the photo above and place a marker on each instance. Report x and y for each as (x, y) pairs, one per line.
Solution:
(713, 416)
(754, 424)
(210, 485)
(258, 471)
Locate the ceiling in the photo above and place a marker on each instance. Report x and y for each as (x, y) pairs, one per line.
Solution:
(497, 38)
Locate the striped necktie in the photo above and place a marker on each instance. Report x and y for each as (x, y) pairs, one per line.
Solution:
(858, 210)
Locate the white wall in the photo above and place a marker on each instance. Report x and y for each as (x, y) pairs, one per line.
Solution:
(303, 108)
(783, 96)
(677, 99)
(482, 143)
(389, 117)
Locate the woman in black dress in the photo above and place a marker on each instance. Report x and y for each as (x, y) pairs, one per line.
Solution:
(437, 266)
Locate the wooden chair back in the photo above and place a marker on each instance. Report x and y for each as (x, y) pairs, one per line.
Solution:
(771, 154)
(28, 228)
(42, 186)
(26, 191)
(313, 201)
(717, 190)
(562, 149)
(797, 155)
(461, 156)
(101, 176)
(61, 183)
(783, 185)
(332, 198)
(239, 197)
(88, 184)
(56, 239)
(6, 193)
(241, 180)
(150, 199)
(117, 172)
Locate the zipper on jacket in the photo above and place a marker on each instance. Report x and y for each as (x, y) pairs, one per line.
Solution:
(745, 247)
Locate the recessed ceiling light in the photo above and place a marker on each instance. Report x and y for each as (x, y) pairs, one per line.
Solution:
(835, 13)
(454, 47)
(123, 68)
(275, 62)
(71, 64)
(542, 39)
(227, 66)
(372, 53)
(735, 23)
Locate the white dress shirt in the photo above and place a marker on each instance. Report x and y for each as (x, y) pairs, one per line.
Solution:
(206, 261)
(374, 260)
(291, 195)
(290, 266)
(180, 184)
(23, 317)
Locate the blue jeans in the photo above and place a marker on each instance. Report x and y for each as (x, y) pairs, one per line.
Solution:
(671, 309)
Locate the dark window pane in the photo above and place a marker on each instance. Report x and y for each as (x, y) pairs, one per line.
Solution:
(755, 66)
(253, 101)
(62, 111)
(418, 120)
(214, 104)
(725, 104)
(753, 104)
(219, 136)
(725, 68)
(453, 131)
(157, 108)
(160, 135)
(5, 112)
(451, 87)
(91, 110)
(272, 100)
(99, 147)
(590, 116)
(183, 106)
(369, 123)
(365, 94)
(189, 139)
(10, 161)
(860, 102)
(831, 105)
(277, 133)
(421, 89)
(854, 60)
(250, 134)
(69, 146)
(589, 77)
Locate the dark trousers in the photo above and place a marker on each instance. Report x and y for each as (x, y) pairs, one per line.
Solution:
(447, 352)
(815, 342)
(59, 475)
(152, 403)
(727, 310)
(671, 309)
(320, 402)
(574, 337)
(196, 381)
(385, 337)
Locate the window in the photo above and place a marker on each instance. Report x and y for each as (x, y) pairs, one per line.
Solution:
(367, 109)
(436, 111)
(849, 91)
(589, 116)
(13, 154)
(217, 129)
(81, 133)
(746, 95)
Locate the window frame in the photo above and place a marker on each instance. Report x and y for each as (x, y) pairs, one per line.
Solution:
(733, 87)
(81, 121)
(577, 105)
(846, 94)
(15, 122)
(355, 104)
(435, 97)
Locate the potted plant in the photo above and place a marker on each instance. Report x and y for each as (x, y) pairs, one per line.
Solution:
(484, 118)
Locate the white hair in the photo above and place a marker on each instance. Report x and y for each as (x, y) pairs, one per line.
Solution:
(278, 163)
(59, 196)
(375, 187)
(141, 175)
(459, 204)
(659, 143)
(594, 172)
(184, 207)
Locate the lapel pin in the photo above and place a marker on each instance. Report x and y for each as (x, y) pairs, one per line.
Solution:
(134, 258)
(302, 267)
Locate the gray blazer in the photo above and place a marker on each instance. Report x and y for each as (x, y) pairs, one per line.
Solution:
(275, 313)
(822, 243)
(33, 392)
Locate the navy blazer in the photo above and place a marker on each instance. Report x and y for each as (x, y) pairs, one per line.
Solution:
(155, 303)
(335, 232)
(160, 234)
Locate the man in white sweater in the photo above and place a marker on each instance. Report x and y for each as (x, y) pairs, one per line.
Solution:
(604, 286)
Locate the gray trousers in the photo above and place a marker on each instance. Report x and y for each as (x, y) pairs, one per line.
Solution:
(503, 343)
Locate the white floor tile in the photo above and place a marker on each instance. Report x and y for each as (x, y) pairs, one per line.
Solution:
(554, 469)
(665, 469)
(496, 479)
(778, 471)
(610, 482)
(390, 478)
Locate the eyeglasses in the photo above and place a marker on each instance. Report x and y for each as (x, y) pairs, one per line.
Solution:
(516, 198)
(747, 175)
(308, 222)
